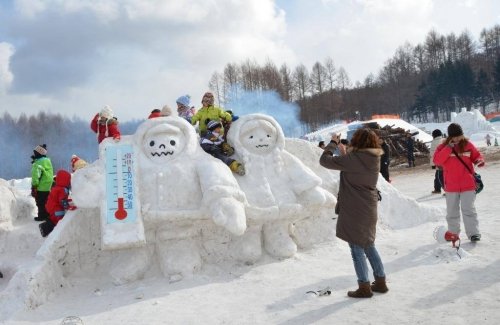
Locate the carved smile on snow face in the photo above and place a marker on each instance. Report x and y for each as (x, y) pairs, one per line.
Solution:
(260, 139)
(163, 146)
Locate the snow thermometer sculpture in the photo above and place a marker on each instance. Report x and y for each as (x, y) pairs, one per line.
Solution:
(120, 217)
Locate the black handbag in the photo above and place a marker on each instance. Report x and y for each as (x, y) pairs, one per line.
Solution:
(477, 177)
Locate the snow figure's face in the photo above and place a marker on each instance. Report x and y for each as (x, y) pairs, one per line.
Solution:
(163, 144)
(259, 137)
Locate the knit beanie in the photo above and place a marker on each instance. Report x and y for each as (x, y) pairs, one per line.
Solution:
(212, 125)
(437, 133)
(40, 150)
(106, 112)
(184, 100)
(455, 130)
(166, 111)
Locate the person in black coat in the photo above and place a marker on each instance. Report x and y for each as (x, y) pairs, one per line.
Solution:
(385, 159)
(410, 146)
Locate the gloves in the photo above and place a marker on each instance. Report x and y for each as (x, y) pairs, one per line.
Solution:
(34, 192)
(116, 139)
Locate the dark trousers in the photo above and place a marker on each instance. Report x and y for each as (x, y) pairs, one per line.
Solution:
(41, 199)
(438, 180)
(384, 170)
(217, 152)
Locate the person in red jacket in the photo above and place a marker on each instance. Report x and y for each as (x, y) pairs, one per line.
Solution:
(58, 202)
(105, 124)
(459, 182)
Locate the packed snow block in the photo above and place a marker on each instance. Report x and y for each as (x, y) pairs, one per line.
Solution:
(7, 206)
(399, 211)
(280, 189)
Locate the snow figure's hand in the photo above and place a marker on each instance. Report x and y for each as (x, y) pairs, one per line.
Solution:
(314, 196)
(230, 214)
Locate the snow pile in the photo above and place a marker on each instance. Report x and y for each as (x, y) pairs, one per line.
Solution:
(197, 215)
(345, 129)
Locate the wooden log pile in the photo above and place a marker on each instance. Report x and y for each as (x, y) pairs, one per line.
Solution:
(396, 138)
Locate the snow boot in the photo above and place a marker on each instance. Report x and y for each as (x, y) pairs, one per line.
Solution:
(364, 291)
(46, 228)
(436, 192)
(379, 285)
(475, 238)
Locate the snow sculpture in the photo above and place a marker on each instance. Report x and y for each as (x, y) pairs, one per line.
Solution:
(180, 186)
(471, 121)
(279, 188)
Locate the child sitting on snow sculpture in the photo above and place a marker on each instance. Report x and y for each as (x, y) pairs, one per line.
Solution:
(279, 188)
(58, 202)
(213, 143)
(105, 124)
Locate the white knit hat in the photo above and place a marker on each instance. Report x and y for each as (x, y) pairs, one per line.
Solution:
(106, 112)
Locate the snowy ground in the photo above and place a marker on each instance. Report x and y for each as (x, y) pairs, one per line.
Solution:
(429, 283)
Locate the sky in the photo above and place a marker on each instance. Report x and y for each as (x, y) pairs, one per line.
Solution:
(73, 57)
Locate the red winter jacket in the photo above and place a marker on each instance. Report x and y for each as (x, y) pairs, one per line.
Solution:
(57, 202)
(105, 129)
(456, 177)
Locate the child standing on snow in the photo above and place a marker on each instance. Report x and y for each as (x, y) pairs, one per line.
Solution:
(58, 202)
(213, 143)
(42, 175)
(105, 124)
(454, 155)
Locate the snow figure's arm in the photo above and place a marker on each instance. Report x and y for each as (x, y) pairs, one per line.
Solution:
(305, 183)
(302, 177)
(222, 196)
(442, 154)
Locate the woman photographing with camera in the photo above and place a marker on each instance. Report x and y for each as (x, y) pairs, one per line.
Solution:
(357, 204)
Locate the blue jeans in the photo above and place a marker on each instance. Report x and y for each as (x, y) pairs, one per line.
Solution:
(359, 255)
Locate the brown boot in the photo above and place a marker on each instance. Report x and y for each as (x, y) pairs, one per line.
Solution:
(364, 291)
(379, 285)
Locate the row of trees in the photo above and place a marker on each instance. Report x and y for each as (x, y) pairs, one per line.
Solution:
(429, 78)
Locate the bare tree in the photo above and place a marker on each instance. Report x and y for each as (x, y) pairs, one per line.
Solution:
(287, 83)
(301, 81)
(216, 85)
(318, 78)
(330, 73)
(343, 79)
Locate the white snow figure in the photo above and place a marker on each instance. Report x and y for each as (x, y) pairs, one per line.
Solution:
(279, 188)
(179, 186)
